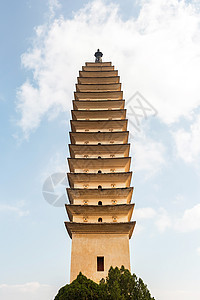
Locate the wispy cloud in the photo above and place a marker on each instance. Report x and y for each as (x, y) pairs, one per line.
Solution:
(189, 220)
(148, 155)
(188, 143)
(163, 220)
(30, 290)
(56, 164)
(2, 98)
(18, 210)
(53, 6)
(179, 293)
(157, 53)
(144, 213)
(198, 250)
(159, 217)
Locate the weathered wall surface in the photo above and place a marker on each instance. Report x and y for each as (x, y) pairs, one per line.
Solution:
(86, 248)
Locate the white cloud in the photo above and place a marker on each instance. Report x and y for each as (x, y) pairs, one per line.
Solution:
(188, 142)
(53, 6)
(163, 220)
(4, 208)
(159, 217)
(190, 220)
(148, 156)
(182, 293)
(140, 215)
(179, 199)
(56, 164)
(156, 53)
(144, 213)
(198, 250)
(30, 290)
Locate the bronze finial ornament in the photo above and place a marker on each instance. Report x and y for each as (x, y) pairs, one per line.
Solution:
(98, 56)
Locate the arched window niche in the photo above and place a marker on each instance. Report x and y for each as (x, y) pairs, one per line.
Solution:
(100, 203)
(85, 219)
(100, 220)
(114, 219)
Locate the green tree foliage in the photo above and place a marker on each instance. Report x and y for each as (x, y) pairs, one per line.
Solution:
(119, 285)
(80, 288)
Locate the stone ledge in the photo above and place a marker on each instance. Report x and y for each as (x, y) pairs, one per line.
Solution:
(100, 228)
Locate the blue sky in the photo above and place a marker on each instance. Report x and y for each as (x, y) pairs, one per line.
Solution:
(155, 46)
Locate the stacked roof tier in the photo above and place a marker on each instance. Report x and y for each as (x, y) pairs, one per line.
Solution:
(99, 163)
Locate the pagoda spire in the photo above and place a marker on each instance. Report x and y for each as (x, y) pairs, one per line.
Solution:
(100, 207)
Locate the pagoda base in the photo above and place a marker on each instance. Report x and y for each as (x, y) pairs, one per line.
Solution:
(86, 248)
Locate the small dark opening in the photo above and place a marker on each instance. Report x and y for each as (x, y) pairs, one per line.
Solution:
(99, 143)
(99, 187)
(99, 131)
(99, 156)
(100, 263)
(99, 219)
(99, 171)
(99, 203)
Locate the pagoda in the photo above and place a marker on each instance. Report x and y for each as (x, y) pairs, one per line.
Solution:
(100, 195)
